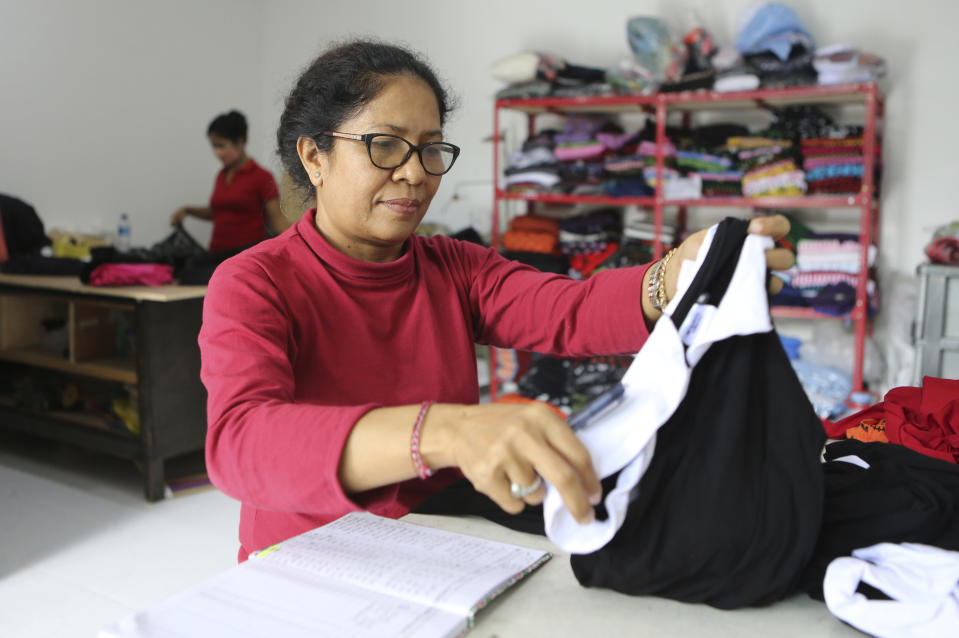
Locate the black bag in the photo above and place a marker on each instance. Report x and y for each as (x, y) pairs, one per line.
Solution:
(22, 227)
(728, 512)
(177, 247)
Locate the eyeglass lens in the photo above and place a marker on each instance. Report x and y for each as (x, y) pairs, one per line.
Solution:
(388, 151)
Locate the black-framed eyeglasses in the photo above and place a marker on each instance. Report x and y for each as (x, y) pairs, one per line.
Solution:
(389, 152)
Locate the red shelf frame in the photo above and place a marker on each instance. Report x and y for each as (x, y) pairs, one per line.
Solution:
(810, 201)
(799, 312)
(659, 106)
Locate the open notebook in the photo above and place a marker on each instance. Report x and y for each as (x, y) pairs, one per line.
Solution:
(361, 575)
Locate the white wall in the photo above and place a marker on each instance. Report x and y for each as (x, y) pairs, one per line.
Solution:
(106, 102)
(463, 39)
(105, 105)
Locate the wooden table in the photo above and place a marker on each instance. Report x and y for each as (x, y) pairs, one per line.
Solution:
(138, 340)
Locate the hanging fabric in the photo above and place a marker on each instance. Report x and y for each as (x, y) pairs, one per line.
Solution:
(715, 449)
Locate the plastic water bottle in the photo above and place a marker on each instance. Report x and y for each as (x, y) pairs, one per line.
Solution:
(123, 234)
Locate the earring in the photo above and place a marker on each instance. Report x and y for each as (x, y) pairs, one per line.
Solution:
(316, 174)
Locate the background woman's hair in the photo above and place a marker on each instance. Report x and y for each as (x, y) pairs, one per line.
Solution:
(336, 86)
(230, 126)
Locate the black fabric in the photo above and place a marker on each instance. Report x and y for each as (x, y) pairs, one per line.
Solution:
(728, 512)
(547, 376)
(40, 265)
(711, 136)
(541, 261)
(796, 70)
(872, 593)
(711, 281)
(469, 234)
(178, 249)
(22, 227)
(903, 497)
(197, 270)
(690, 82)
(462, 499)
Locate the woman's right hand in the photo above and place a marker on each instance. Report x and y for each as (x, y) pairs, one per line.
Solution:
(177, 218)
(497, 444)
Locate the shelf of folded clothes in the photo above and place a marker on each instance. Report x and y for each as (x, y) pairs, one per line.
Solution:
(801, 312)
(698, 99)
(801, 159)
(771, 97)
(825, 278)
(805, 201)
(561, 198)
(608, 103)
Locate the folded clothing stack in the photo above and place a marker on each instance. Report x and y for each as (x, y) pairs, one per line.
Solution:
(533, 168)
(588, 240)
(782, 178)
(944, 247)
(844, 64)
(716, 173)
(639, 239)
(826, 273)
(776, 45)
(532, 233)
(532, 74)
(833, 165)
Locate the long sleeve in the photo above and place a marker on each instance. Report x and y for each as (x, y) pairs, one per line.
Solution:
(263, 447)
(299, 341)
(520, 307)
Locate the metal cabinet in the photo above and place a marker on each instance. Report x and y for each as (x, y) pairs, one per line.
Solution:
(937, 323)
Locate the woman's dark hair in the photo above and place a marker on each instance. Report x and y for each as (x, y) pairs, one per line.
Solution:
(336, 86)
(230, 126)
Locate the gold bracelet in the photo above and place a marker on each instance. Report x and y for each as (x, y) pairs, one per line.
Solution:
(657, 283)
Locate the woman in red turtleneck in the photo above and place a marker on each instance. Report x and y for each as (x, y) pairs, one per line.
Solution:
(339, 357)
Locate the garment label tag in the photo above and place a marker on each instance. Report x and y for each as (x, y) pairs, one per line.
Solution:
(855, 460)
(699, 315)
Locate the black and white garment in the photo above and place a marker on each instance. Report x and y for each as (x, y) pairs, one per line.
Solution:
(715, 449)
(882, 493)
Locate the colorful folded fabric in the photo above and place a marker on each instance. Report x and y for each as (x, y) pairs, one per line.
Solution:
(834, 170)
(534, 242)
(535, 223)
(835, 185)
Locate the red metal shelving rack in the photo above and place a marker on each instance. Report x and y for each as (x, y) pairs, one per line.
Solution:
(659, 106)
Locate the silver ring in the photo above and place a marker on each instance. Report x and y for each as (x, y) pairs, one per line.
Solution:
(522, 491)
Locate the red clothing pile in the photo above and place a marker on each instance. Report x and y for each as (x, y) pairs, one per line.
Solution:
(299, 341)
(924, 419)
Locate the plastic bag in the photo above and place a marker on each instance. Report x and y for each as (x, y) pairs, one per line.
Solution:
(833, 345)
(656, 48)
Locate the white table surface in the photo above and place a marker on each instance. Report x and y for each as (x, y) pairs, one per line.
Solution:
(551, 603)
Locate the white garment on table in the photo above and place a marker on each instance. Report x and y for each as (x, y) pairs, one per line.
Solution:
(921, 580)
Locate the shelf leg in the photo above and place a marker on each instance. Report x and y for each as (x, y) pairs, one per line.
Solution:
(153, 481)
(660, 163)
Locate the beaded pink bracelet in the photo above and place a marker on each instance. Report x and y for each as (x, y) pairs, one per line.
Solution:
(421, 469)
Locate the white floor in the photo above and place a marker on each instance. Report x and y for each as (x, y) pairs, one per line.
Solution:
(80, 548)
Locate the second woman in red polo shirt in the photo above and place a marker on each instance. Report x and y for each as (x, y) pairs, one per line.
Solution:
(245, 197)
